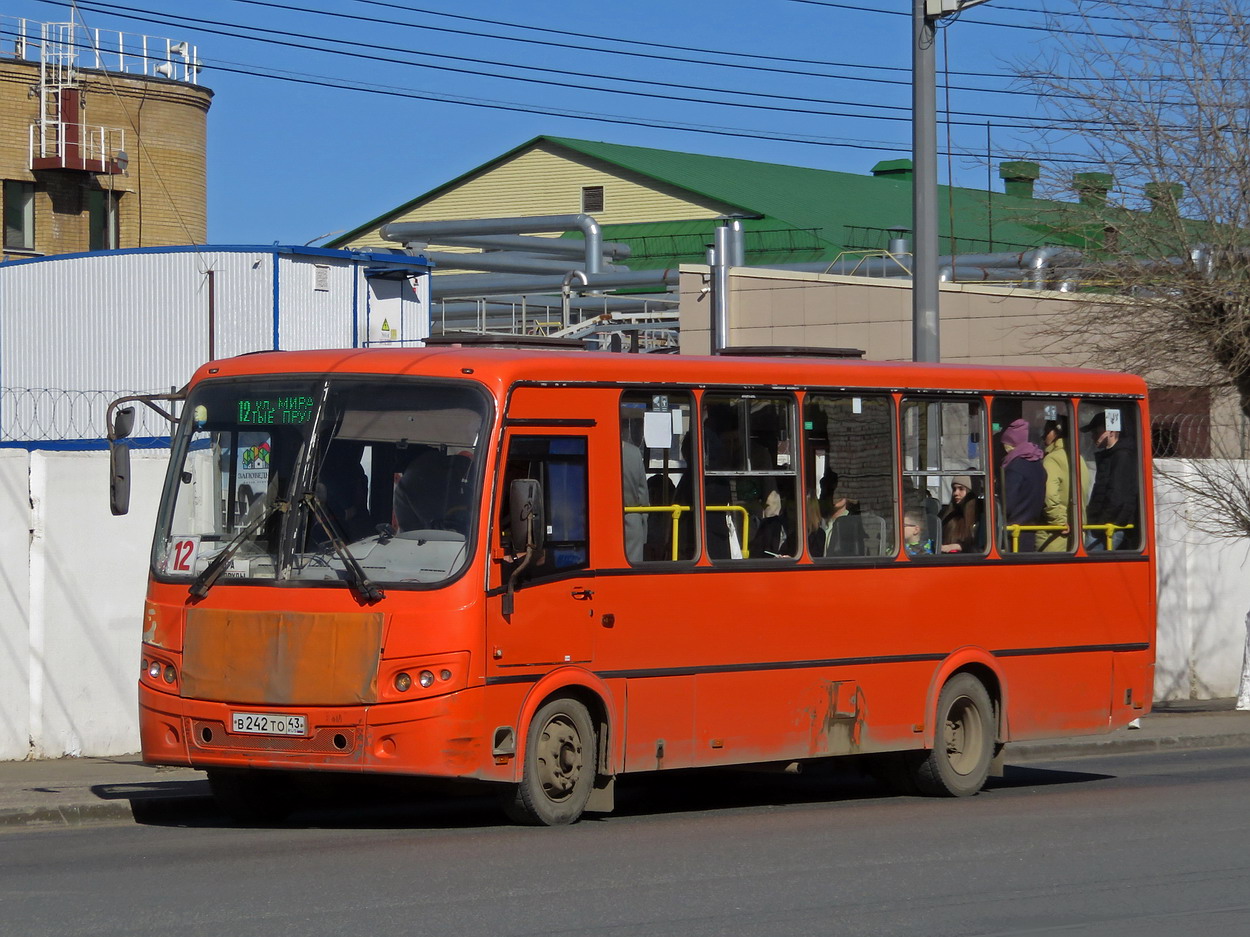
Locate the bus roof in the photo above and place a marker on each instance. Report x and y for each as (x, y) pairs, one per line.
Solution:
(503, 367)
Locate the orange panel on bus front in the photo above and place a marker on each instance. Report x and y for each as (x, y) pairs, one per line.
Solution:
(282, 658)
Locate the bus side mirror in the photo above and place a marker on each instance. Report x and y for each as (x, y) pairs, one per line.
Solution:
(529, 520)
(123, 423)
(119, 477)
(529, 530)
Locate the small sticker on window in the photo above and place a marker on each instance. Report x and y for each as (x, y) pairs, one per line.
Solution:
(1051, 412)
(1113, 420)
(857, 405)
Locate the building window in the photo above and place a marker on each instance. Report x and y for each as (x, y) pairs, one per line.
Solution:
(102, 220)
(19, 216)
(592, 198)
(1180, 422)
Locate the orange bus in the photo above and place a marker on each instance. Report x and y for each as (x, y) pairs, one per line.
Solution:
(549, 568)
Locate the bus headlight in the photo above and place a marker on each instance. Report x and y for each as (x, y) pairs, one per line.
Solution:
(154, 670)
(426, 678)
(403, 682)
(170, 674)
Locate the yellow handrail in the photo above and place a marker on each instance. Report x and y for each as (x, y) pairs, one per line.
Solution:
(1108, 529)
(678, 509)
(746, 523)
(675, 509)
(1016, 529)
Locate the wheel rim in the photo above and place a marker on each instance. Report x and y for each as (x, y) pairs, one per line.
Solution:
(964, 736)
(559, 758)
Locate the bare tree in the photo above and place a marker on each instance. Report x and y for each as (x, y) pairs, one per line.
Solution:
(1154, 105)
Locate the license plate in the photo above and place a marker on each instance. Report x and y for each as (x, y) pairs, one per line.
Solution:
(268, 724)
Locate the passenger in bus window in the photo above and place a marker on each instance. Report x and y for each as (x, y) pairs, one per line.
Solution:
(1113, 499)
(772, 536)
(837, 529)
(634, 490)
(961, 518)
(915, 542)
(1058, 488)
(1024, 485)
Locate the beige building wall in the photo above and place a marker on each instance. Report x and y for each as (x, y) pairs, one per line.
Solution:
(979, 324)
(546, 180)
(162, 197)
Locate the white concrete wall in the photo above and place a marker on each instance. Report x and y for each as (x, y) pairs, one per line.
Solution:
(1204, 594)
(74, 580)
(15, 521)
(72, 583)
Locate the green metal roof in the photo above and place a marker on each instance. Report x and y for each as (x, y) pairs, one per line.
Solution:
(794, 213)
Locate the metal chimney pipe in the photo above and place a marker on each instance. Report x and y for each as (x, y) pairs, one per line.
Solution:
(720, 289)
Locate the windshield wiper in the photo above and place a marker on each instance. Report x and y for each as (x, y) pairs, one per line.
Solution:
(204, 581)
(369, 590)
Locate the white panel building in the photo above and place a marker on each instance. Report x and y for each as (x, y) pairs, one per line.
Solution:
(77, 330)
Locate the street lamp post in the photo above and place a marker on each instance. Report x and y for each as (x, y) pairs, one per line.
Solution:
(924, 328)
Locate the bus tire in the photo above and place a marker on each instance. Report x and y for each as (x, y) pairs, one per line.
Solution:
(559, 771)
(963, 744)
(250, 797)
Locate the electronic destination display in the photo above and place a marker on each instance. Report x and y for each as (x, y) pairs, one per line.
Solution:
(267, 411)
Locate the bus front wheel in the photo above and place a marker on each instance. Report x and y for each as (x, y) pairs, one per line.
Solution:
(559, 770)
(963, 744)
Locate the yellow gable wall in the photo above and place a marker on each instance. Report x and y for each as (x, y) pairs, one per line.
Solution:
(548, 180)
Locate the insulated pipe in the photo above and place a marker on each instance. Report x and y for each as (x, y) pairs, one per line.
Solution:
(583, 304)
(720, 289)
(564, 247)
(504, 262)
(737, 244)
(473, 285)
(427, 231)
(1038, 260)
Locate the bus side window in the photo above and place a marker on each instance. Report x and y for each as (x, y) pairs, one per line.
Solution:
(1110, 475)
(1034, 470)
(656, 491)
(848, 453)
(559, 464)
(750, 480)
(944, 477)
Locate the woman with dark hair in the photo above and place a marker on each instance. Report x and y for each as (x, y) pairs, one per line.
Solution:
(960, 518)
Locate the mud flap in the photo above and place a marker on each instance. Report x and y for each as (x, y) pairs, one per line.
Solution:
(603, 797)
(997, 764)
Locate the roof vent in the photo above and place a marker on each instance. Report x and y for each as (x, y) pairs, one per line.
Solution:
(1093, 187)
(1018, 177)
(894, 168)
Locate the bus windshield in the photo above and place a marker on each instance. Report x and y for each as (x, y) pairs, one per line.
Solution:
(318, 480)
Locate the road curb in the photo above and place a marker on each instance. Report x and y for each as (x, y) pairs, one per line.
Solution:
(1050, 751)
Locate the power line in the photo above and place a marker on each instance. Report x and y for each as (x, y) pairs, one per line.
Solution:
(903, 111)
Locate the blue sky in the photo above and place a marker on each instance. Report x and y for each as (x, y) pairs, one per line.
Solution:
(295, 161)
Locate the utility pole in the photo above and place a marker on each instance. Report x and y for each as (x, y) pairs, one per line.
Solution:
(924, 284)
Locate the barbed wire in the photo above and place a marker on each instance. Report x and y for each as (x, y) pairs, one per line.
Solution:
(50, 414)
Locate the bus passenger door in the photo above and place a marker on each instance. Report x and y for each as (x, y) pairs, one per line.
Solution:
(551, 621)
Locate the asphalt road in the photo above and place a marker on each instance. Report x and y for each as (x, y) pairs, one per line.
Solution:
(1143, 844)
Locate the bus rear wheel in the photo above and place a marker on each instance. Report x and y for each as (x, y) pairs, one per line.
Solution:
(559, 770)
(963, 745)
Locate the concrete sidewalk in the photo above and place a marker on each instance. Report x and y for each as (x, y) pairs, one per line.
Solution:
(73, 791)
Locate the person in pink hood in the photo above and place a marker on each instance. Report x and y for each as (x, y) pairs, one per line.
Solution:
(1024, 484)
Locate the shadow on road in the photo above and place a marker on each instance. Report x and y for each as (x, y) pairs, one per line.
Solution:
(334, 802)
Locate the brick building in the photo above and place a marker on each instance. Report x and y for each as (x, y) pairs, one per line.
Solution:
(100, 147)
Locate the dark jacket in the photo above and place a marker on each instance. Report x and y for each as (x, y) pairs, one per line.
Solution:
(1024, 496)
(1114, 498)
